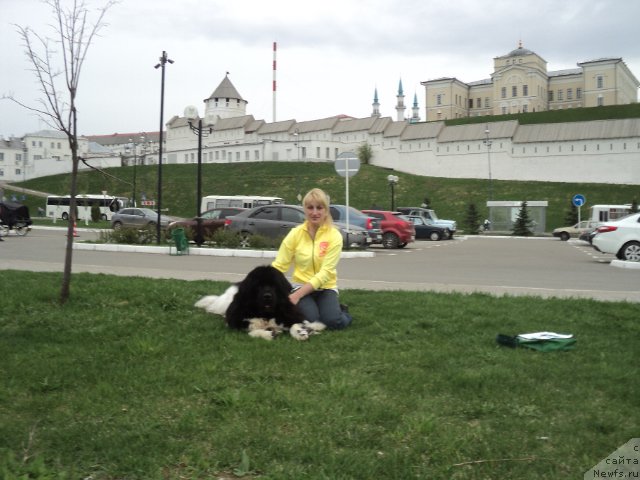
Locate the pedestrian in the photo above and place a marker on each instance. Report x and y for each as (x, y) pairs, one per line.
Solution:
(314, 249)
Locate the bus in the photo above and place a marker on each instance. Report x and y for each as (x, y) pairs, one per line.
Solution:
(607, 213)
(243, 201)
(58, 206)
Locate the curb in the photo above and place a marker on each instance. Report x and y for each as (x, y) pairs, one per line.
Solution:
(195, 251)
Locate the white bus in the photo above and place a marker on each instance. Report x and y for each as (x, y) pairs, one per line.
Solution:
(243, 201)
(607, 213)
(58, 206)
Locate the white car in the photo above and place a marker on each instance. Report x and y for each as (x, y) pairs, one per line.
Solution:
(621, 238)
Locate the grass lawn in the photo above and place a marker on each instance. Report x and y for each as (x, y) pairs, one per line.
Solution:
(129, 380)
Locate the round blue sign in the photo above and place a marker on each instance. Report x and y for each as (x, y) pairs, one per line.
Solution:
(579, 200)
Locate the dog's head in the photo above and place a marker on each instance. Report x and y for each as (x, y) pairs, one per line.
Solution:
(266, 290)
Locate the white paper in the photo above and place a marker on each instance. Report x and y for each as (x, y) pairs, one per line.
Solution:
(544, 335)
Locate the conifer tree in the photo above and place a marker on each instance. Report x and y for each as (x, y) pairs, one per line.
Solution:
(472, 220)
(523, 224)
(571, 217)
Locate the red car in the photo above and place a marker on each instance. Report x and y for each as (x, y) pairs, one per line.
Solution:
(397, 231)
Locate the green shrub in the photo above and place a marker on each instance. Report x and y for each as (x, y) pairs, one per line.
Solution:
(131, 236)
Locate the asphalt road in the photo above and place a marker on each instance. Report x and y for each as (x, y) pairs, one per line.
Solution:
(497, 265)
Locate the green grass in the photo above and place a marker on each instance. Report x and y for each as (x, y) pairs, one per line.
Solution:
(129, 380)
(449, 197)
(611, 112)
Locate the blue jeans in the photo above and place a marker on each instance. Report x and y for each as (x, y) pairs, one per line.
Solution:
(324, 306)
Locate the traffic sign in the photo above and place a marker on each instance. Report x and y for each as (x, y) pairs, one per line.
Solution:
(578, 200)
(347, 164)
(148, 203)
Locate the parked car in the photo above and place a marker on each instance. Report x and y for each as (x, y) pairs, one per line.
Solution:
(450, 226)
(425, 229)
(275, 221)
(212, 220)
(139, 217)
(397, 230)
(620, 237)
(357, 218)
(565, 233)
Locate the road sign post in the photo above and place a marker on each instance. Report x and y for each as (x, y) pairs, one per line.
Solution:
(578, 200)
(347, 165)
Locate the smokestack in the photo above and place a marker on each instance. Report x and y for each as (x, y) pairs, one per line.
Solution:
(275, 47)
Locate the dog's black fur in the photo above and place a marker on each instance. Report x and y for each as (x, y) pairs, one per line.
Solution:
(264, 293)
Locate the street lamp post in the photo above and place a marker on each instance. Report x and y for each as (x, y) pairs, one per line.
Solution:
(135, 163)
(192, 114)
(487, 141)
(297, 145)
(393, 181)
(24, 169)
(163, 61)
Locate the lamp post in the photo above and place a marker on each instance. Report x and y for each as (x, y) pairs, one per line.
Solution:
(163, 61)
(135, 163)
(296, 144)
(393, 181)
(192, 115)
(24, 169)
(488, 143)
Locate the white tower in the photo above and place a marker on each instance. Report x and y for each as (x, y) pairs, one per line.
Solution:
(400, 108)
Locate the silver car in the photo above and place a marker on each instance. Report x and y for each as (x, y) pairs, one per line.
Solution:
(138, 218)
(275, 221)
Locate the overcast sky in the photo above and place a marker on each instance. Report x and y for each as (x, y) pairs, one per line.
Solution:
(332, 54)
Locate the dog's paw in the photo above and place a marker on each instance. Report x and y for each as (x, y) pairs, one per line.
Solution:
(264, 334)
(299, 331)
(314, 328)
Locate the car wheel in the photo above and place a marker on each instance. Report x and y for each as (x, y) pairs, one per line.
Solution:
(631, 252)
(103, 216)
(434, 236)
(447, 233)
(390, 240)
(65, 216)
(117, 225)
(564, 236)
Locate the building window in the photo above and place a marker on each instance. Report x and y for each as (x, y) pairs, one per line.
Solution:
(439, 99)
(328, 153)
(256, 154)
(1, 156)
(503, 92)
(569, 93)
(551, 95)
(478, 102)
(486, 102)
(504, 110)
(525, 108)
(246, 155)
(600, 101)
(578, 93)
(525, 90)
(560, 95)
(514, 91)
(599, 81)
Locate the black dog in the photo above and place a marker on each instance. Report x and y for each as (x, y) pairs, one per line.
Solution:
(264, 293)
(260, 304)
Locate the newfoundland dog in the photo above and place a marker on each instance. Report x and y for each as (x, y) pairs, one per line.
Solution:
(260, 305)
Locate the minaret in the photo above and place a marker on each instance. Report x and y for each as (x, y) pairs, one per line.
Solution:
(375, 104)
(400, 105)
(415, 116)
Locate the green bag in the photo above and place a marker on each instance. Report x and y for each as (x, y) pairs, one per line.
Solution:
(541, 341)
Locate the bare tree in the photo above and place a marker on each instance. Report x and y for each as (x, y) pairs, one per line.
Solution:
(57, 62)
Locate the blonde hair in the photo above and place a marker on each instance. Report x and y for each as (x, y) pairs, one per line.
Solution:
(319, 197)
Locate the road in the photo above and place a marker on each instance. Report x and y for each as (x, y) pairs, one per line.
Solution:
(496, 265)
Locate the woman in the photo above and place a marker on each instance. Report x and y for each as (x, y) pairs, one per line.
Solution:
(314, 248)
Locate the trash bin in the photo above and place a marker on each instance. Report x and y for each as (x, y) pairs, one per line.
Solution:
(180, 242)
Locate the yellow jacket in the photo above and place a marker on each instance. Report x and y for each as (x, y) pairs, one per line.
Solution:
(314, 261)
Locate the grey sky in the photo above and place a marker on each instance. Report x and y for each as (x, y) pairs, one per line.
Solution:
(331, 54)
